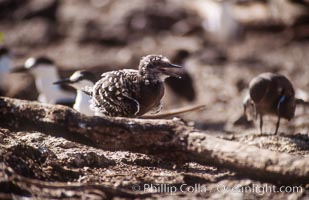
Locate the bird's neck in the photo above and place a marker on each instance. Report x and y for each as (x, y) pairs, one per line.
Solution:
(82, 103)
(81, 96)
(150, 77)
(49, 93)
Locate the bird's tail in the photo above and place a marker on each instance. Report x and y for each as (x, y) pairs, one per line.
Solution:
(302, 102)
(87, 90)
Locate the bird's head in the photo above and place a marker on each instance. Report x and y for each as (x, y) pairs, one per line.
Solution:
(39, 67)
(79, 80)
(156, 65)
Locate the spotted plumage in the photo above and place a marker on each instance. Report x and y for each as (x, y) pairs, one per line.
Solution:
(131, 93)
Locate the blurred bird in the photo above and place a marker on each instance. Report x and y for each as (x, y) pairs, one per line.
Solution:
(288, 11)
(218, 18)
(79, 80)
(183, 87)
(6, 63)
(45, 74)
(132, 93)
(273, 94)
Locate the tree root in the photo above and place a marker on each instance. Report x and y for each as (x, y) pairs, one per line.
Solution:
(154, 136)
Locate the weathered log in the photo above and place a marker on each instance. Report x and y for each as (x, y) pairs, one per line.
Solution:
(154, 136)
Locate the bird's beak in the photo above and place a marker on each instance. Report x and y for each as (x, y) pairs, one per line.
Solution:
(19, 69)
(63, 81)
(171, 65)
(165, 70)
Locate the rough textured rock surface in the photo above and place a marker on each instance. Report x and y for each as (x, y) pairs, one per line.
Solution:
(34, 155)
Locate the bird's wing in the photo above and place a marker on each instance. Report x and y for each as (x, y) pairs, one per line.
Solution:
(113, 94)
(157, 108)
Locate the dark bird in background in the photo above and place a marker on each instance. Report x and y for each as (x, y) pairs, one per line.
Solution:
(270, 94)
(183, 87)
(131, 93)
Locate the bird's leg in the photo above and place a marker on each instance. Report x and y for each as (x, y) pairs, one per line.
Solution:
(254, 111)
(261, 124)
(245, 111)
(277, 125)
(282, 98)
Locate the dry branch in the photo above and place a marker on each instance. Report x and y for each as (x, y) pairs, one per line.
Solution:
(154, 136)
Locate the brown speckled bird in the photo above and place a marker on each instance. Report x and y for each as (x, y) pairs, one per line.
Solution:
(131, 93)
(273, 94)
